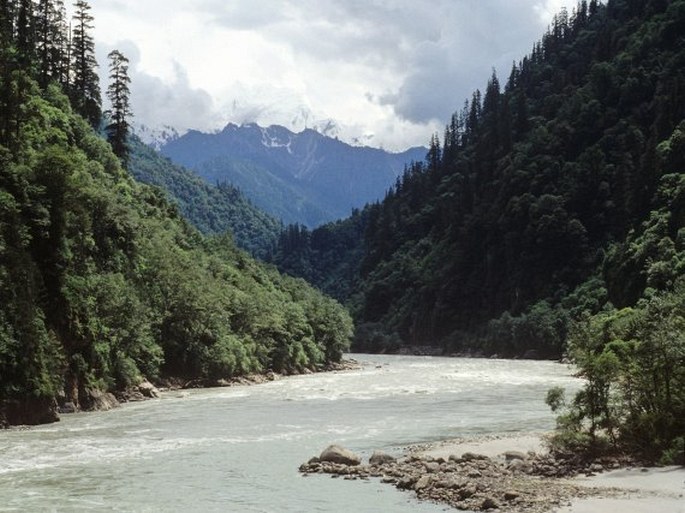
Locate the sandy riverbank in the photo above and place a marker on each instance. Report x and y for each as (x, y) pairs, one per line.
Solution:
(513, 474)
(627, 490)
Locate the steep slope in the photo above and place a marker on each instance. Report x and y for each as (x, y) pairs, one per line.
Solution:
(515, 225)
(212, 209)
(102, 283)
(304, 178)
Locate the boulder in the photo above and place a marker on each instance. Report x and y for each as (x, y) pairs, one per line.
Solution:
(514, 455)
(511, 495)
(381, 458)
(423, 483)
(31, 411)
(148, 390)
(337, 454)
(97, 400)
(68, 407)
(470, 456)
(489, 503)
(432, 467)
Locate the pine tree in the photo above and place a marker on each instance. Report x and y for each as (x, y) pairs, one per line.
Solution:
(118, 94)
(51, 36)
(25, 32)
(7, 8)
(85, 87)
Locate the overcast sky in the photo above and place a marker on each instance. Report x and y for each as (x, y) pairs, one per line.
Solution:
(389, 72)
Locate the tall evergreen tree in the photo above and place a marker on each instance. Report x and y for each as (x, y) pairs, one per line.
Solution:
(118, 94)
(85, 87)
(51, 40)
(25, 31)
(6, 22)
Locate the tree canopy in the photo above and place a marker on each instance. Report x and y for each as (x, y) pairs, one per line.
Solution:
(102, 282)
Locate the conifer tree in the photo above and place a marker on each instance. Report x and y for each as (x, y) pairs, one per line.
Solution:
(6, 22)
(85, 87)
(51, 41)
(25, 31)
(118, 94)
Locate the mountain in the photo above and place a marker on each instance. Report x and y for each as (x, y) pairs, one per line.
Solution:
(155, 137)
(305, 177)
(212, 209)
(555, 196)
(549, 222)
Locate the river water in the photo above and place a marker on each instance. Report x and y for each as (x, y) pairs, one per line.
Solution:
(238, 449)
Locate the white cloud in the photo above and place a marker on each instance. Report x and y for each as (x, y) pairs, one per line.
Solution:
(396, 69)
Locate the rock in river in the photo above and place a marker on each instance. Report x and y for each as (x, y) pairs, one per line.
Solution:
(337, 454)
(381, 458)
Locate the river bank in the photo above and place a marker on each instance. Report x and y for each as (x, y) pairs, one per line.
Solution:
(516, 474)
(39, 412)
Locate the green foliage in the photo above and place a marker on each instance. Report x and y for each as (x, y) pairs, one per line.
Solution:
(103, 283)
(211, 209)
(634, 363)
(557, 195)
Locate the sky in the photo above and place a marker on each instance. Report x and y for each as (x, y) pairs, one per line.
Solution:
(385, 73)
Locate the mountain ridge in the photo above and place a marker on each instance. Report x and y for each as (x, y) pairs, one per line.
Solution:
(305, 177)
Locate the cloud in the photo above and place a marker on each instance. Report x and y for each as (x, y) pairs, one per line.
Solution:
(392, 69)
(170, 102)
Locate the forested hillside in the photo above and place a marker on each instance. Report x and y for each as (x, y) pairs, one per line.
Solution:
(102, 282)
(305, 178)
(212, 209)
(555, 193)
(550, 219)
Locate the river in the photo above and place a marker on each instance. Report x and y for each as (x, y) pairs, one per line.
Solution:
(238, 449)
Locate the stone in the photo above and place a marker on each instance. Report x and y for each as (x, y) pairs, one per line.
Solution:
(148, 390)
(432, 467)
(514, 455)
(519, 466)
(489, 503)
(68, 407)
(405, 483)
(381, 458)
(97, 400)
(474, 474)
(470, 456)
(466, 492)
(423, 483)
(31, 411)
(511, 495)
(338, 454)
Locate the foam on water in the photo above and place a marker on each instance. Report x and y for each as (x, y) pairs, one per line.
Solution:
(238, 449)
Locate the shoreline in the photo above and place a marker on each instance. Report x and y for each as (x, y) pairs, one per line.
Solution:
(514, 473)
(146, 391)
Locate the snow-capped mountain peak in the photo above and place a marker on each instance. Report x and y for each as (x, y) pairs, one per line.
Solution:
(157, 136)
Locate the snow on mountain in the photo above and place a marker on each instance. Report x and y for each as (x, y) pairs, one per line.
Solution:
(305, 177)
(157, 137)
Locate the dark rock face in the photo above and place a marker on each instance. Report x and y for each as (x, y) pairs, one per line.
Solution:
(97, 400)
(29, 412)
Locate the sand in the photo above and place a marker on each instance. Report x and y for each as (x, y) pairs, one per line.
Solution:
(644, 490)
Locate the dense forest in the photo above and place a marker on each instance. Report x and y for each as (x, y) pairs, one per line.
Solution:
(212, 209)
(549, 218)
(552, 195)
(102, 282)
